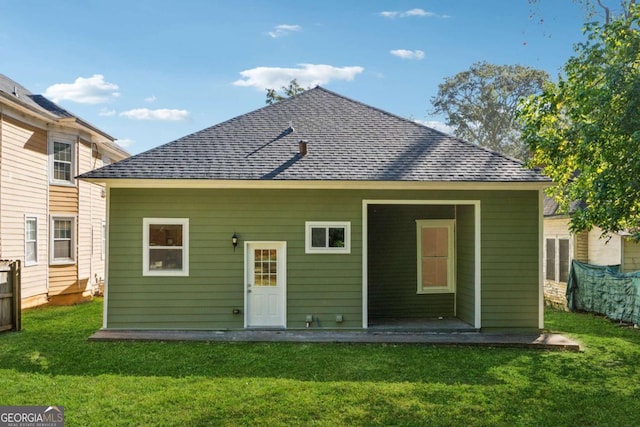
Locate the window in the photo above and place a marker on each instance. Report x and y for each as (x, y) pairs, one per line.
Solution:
(435, 256)
(62, 166)
(327, 237)
(30, 240)
(166, 247)
(63, 236)
(557, 259)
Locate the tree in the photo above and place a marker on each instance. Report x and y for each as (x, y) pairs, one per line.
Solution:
(480, 104)
(594, 8)
(585, 130)
(293, 89)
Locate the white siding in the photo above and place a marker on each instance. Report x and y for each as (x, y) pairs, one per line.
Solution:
(24, 181)
(604, 251)
(91, 215)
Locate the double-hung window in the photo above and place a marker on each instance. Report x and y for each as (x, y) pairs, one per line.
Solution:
(63, 240)
(62, 162)
(436, 251)
(332, 237)
(165, 244)
(30, 240)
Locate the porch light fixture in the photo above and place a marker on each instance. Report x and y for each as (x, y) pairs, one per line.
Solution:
(234, 241)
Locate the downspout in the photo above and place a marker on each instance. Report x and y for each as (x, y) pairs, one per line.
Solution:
(540, 259)
(77, 240)
(47, 219)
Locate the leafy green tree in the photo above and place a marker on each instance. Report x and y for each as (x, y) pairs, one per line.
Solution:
(293, 89)
(480, 104)
(585, 130)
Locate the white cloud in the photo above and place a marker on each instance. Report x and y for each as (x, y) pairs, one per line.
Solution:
(306, 75)
(105, 112)
(283, 30)
(124, 143)
(406, 13)
(91, 90)
(408, 54)
(150, 99)
(163, 114)
(441, 126)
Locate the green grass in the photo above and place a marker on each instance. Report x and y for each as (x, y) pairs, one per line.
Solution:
(199, 384)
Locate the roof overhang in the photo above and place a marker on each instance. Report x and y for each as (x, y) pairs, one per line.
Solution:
(324, 185)
(73, 122)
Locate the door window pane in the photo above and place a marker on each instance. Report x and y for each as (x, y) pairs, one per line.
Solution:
(265, 267)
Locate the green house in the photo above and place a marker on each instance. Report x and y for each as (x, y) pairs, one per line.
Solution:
(321, 212)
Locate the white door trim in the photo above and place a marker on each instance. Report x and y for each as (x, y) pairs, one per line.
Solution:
(281, 246)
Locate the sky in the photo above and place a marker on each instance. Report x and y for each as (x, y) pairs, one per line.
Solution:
(149, 72)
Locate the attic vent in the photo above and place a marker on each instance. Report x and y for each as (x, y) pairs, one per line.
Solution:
(303, 147)
(15, 91)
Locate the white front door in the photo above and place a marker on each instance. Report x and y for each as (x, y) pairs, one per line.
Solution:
(266, 282)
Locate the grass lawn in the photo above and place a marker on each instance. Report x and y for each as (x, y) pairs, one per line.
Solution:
(200, 384)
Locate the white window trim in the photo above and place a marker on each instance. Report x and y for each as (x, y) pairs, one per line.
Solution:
(146, 222)
(28, 263)
(556, 262)
(451, 271)
(52, 179)
(328, 224)
(62, 261)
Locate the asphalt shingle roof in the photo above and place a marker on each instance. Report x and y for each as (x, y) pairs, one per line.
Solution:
(346, 140)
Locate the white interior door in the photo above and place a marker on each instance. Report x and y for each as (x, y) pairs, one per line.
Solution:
(266, 284)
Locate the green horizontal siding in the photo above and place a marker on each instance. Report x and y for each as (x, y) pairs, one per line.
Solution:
(320, 285)
(317, 284)
(465, 263)
(510, 267)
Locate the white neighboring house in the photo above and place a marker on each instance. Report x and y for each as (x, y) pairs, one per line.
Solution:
(49, 220)
(561, 246)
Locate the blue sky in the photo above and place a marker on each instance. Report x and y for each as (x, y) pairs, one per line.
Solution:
(148, 72)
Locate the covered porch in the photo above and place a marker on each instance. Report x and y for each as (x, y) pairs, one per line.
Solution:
(422, 265)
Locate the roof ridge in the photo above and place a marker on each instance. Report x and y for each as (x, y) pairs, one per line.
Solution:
(413, 122)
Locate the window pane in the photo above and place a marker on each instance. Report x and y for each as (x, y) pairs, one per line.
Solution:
(31, 252)
(435, 242)
(31, 230)
(336, 237)
(318, 237)
(434, 272)
(563, 254)
(165, 235)
(551, 259)
(165, 259)
(62, 229)
(62, 249)
(62, 171)
(62, 151)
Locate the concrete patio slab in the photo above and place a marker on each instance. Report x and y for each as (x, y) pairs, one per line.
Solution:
(539, 341)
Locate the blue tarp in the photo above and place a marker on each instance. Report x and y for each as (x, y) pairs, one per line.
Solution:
(604, 290)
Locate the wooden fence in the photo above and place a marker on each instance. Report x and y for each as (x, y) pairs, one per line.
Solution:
(10, 311)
